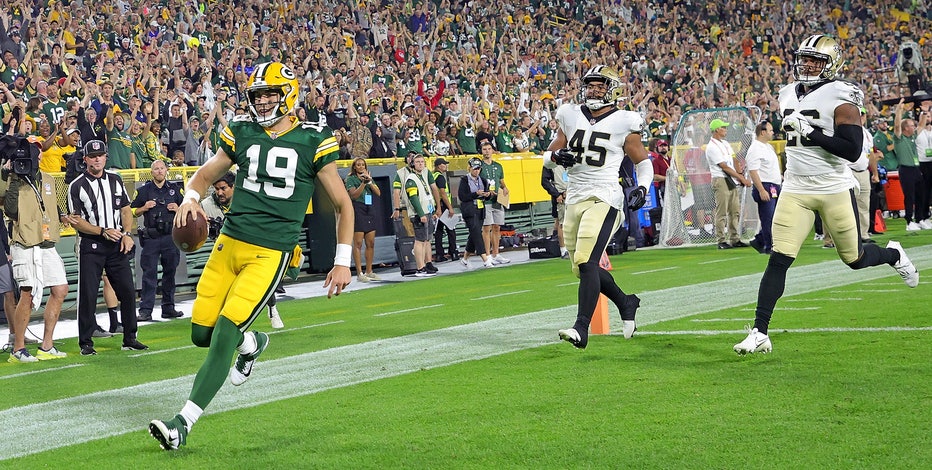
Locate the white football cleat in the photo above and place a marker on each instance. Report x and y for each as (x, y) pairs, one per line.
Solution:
(904, 267)
(755, 342)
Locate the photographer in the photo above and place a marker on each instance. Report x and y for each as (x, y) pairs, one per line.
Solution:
(31, 204)
(156, 201)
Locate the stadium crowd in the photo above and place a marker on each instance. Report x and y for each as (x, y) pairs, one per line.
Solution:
(417, 76)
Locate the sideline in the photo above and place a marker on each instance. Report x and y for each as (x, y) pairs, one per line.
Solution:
(114, 412)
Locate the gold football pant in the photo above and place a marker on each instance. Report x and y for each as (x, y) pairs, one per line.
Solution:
(237, 282)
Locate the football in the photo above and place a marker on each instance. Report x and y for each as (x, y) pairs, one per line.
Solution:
(192, 235)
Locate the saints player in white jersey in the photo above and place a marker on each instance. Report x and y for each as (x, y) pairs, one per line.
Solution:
(280, 160)
(591, 142)
(824, 133)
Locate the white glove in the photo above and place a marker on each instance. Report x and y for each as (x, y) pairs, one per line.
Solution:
(798, 123)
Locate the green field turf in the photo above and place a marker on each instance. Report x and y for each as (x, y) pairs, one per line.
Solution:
(466, 371)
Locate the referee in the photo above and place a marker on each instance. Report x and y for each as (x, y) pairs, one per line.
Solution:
(100, 210)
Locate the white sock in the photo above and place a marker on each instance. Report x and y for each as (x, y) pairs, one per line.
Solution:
(248, 346)
(190, 413)
(563, 250)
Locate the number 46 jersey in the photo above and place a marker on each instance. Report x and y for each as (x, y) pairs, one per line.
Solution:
(598, 143)
(275, 179)
(810, 169)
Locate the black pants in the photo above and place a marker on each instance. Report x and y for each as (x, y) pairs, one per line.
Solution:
(158, 250)
(474, 223)
(96, 253)
(442, 230)
(911, 182)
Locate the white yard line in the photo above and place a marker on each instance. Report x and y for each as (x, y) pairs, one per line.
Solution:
(113, 412)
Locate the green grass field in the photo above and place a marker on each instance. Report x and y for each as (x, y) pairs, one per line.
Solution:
(466, 371)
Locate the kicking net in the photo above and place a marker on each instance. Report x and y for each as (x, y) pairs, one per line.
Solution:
(689, 203)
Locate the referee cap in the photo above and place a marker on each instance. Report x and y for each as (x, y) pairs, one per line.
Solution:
(94, 148)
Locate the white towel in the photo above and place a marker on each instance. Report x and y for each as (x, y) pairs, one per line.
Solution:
(39, 283)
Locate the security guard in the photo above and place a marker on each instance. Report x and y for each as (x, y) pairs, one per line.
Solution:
(156, 201)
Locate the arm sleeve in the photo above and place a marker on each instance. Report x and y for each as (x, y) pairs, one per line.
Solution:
(845, 144)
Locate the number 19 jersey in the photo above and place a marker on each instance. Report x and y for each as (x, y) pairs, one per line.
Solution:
(599, 144)
(274, 179)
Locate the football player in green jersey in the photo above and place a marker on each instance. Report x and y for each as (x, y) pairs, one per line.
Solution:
(279, 161)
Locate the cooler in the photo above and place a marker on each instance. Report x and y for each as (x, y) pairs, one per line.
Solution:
(894, 192)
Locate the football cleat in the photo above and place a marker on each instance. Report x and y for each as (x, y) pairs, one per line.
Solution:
(628, 312)
(171, 434)
(904, 267)
(275, 319)
(755, 342)
(244, 362)
(570, 335)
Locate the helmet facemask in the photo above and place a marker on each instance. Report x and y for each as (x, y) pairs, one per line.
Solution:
(275, 110)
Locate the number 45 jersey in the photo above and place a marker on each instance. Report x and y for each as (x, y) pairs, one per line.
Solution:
(810, 169)
(598, 143)
(275, 179)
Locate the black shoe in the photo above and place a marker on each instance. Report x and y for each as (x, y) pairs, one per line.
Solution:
(100, 333)
(172, 314)
(280, 289)
(88, 351)
(134, 345)
(429, 267)
(739, 244)
(117, 329)
(144, 316)
(724, 246)
(757, 245)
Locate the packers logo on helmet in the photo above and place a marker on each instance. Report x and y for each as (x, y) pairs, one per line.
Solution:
(613, 90)
(272, 77)
(823, 49)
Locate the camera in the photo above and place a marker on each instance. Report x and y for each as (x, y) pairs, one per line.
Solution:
(213, 227)
(74, 165)
(22, 155)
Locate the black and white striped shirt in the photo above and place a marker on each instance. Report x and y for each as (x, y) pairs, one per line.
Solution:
(99, 200)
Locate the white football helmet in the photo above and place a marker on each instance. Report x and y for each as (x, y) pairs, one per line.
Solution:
(822, 48)
(612, 81)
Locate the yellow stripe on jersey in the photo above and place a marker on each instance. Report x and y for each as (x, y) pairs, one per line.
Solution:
(328, 146)
(412, 191)
(227, 137)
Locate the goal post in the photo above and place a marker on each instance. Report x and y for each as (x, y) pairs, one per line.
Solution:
(688, 202)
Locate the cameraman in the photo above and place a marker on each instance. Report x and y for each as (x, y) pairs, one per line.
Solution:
(31, 203)
(156, 201)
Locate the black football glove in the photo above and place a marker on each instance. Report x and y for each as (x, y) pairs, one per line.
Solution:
(564, 157)
(637, 198)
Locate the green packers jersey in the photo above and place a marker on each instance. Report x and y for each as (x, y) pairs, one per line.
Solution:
(275, 179)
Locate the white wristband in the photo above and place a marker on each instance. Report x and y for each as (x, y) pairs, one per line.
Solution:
(344, 255)
(192, 194)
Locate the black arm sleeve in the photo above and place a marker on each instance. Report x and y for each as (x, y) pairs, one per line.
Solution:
(846, 143)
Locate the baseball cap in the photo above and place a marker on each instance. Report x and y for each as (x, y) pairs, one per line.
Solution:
(440, 161)
(94, 148)
(663, 142)
(71, 56)
(475, 163)
(718, 124)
